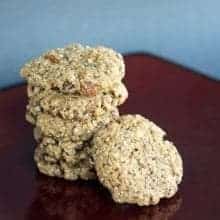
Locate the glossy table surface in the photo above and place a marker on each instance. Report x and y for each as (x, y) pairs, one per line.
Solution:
(185, 104)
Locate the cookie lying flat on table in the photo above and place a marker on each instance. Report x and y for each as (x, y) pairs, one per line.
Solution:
(68, 160)
(76, 69)
(135, 162)
(69, 106)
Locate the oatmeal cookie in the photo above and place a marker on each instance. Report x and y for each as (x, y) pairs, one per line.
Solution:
(66, 159)
(76, 69)
(135, 162)
(69, 106)
(75, 130)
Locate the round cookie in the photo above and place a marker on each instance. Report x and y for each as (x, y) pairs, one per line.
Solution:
(69, 106)
(76, 69)
(68, 160)
(75, 130)
(135, 162)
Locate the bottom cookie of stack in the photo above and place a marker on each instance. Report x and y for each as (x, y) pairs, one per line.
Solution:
(65, 159)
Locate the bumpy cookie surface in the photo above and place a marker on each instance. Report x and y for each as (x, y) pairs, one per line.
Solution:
(68, 160)
(76, 69)
(69, 106)
(135, 162)
(75, 130)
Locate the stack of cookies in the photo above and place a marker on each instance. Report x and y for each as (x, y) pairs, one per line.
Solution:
(73, 95)
(73, 92)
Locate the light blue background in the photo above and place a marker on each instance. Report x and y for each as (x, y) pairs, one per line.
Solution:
(186, 32)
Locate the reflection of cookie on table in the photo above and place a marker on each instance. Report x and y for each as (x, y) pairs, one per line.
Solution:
(165, 210)
(57, 198)
(60, 199)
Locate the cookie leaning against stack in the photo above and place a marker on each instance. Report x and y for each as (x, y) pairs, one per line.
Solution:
(73, 92)
(73, 95)
(135, 162)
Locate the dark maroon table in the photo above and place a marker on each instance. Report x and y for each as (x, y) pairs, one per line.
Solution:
(185, 104)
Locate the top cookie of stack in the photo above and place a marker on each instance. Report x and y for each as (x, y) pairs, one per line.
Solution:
(73, 92)
(76, 70)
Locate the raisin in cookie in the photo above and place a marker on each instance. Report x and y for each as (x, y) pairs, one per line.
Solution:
(135, 162)
(76, 69)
